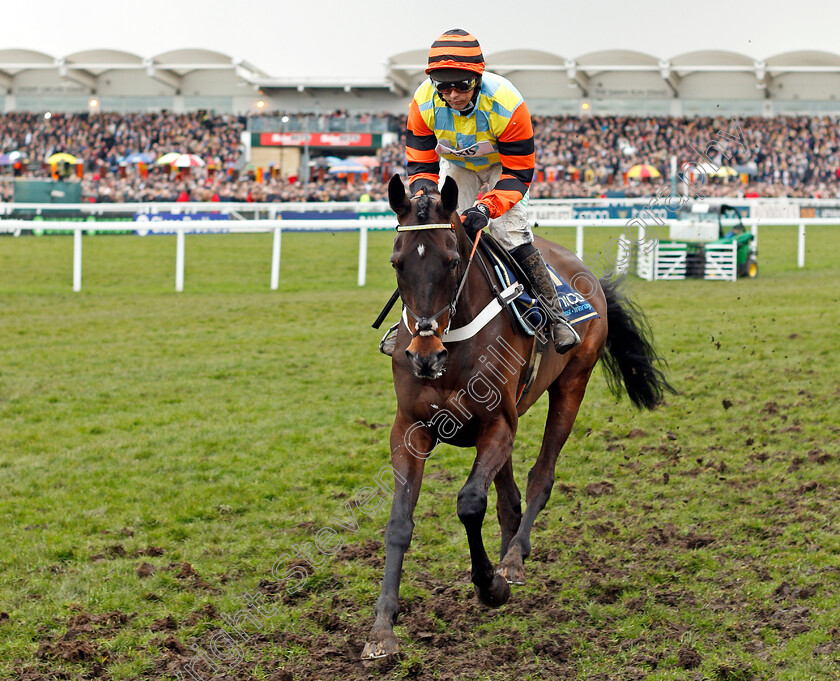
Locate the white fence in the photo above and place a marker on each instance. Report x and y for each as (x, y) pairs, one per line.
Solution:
(207, 226)
(276, 227)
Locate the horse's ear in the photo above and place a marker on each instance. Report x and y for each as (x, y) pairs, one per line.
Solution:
(397, 196)
(449, 195)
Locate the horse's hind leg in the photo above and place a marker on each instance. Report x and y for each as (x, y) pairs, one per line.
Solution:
(565, 396)
(508, 504)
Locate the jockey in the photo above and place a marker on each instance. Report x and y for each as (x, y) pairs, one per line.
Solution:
(473, 125)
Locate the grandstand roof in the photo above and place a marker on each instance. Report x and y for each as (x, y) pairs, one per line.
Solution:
(609, 49)
(405, 70)
(334, 38)
(647, 75)
(83, 66)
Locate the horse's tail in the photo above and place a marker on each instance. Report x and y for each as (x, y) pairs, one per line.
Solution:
(630, 357)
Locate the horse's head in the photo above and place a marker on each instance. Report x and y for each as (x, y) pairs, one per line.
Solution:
(428, 255)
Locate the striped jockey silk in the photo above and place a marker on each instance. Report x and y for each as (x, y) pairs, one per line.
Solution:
(497, 130)
(456, 49)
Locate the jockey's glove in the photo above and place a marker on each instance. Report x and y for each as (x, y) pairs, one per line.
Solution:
(475, 219)
(419, 185)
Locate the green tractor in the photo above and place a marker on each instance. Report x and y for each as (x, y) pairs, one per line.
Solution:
(704, 224)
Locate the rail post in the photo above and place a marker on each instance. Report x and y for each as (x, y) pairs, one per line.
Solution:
(179, 260)
(275, 260)
(800, 255)
(362, 254)
(77, 260)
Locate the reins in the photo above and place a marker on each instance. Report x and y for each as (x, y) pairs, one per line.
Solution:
(464, 277)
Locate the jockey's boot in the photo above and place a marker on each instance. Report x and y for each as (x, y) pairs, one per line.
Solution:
(389, 341)
(531, 261)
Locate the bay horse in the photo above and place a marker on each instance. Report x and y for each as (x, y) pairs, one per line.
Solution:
(466, 392)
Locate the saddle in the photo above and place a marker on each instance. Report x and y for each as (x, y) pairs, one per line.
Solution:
(526, 314)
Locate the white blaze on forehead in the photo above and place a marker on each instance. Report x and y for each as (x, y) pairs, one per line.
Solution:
(421, 250)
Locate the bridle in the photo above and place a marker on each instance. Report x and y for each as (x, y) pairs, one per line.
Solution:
(424, 325)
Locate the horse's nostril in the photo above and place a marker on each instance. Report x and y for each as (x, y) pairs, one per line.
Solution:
(428, 366)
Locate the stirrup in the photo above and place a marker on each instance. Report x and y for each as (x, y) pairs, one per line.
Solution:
(559, 334)
(389, 341)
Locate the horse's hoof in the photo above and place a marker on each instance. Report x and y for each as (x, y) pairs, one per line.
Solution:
(515, 577)
(496, 595)
(512, 568)
(386, 645)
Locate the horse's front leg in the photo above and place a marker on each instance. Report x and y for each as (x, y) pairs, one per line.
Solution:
(494, 446)
(408, 474)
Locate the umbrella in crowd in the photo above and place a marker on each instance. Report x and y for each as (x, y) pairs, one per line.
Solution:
(188, 161)
(369, 162)
(139, 157)
(712, 170)
(347, 167)
(643, 171)
(62, 158)
(167, 159)
(726, 171)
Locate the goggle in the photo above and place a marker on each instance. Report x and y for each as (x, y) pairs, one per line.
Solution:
(457, 85)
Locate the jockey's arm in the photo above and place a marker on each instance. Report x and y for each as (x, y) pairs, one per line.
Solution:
(516, 152)
(420, 142)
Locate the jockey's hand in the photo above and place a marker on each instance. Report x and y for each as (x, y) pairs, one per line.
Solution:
(475, 219)
(419, 185)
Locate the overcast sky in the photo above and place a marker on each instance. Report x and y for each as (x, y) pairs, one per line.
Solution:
(353, 38)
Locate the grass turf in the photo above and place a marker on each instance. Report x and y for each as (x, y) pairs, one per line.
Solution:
(159, 452)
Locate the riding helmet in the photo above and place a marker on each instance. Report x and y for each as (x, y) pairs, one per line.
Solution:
(456, 49)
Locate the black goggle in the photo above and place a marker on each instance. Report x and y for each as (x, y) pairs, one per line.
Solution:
(457, 85)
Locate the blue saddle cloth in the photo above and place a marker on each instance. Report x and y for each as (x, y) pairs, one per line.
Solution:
(528, 313)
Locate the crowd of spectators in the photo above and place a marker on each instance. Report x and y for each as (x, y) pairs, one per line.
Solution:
(577, 157)
(782, 156)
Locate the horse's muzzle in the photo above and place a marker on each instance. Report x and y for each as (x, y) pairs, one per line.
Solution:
(428, 365)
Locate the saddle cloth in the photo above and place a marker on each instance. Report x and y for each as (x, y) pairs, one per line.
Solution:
(525, 308)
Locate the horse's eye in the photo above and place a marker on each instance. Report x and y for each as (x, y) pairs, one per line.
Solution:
(396, 264)
(454, 265)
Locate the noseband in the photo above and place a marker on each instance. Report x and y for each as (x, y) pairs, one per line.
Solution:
(426, 326)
